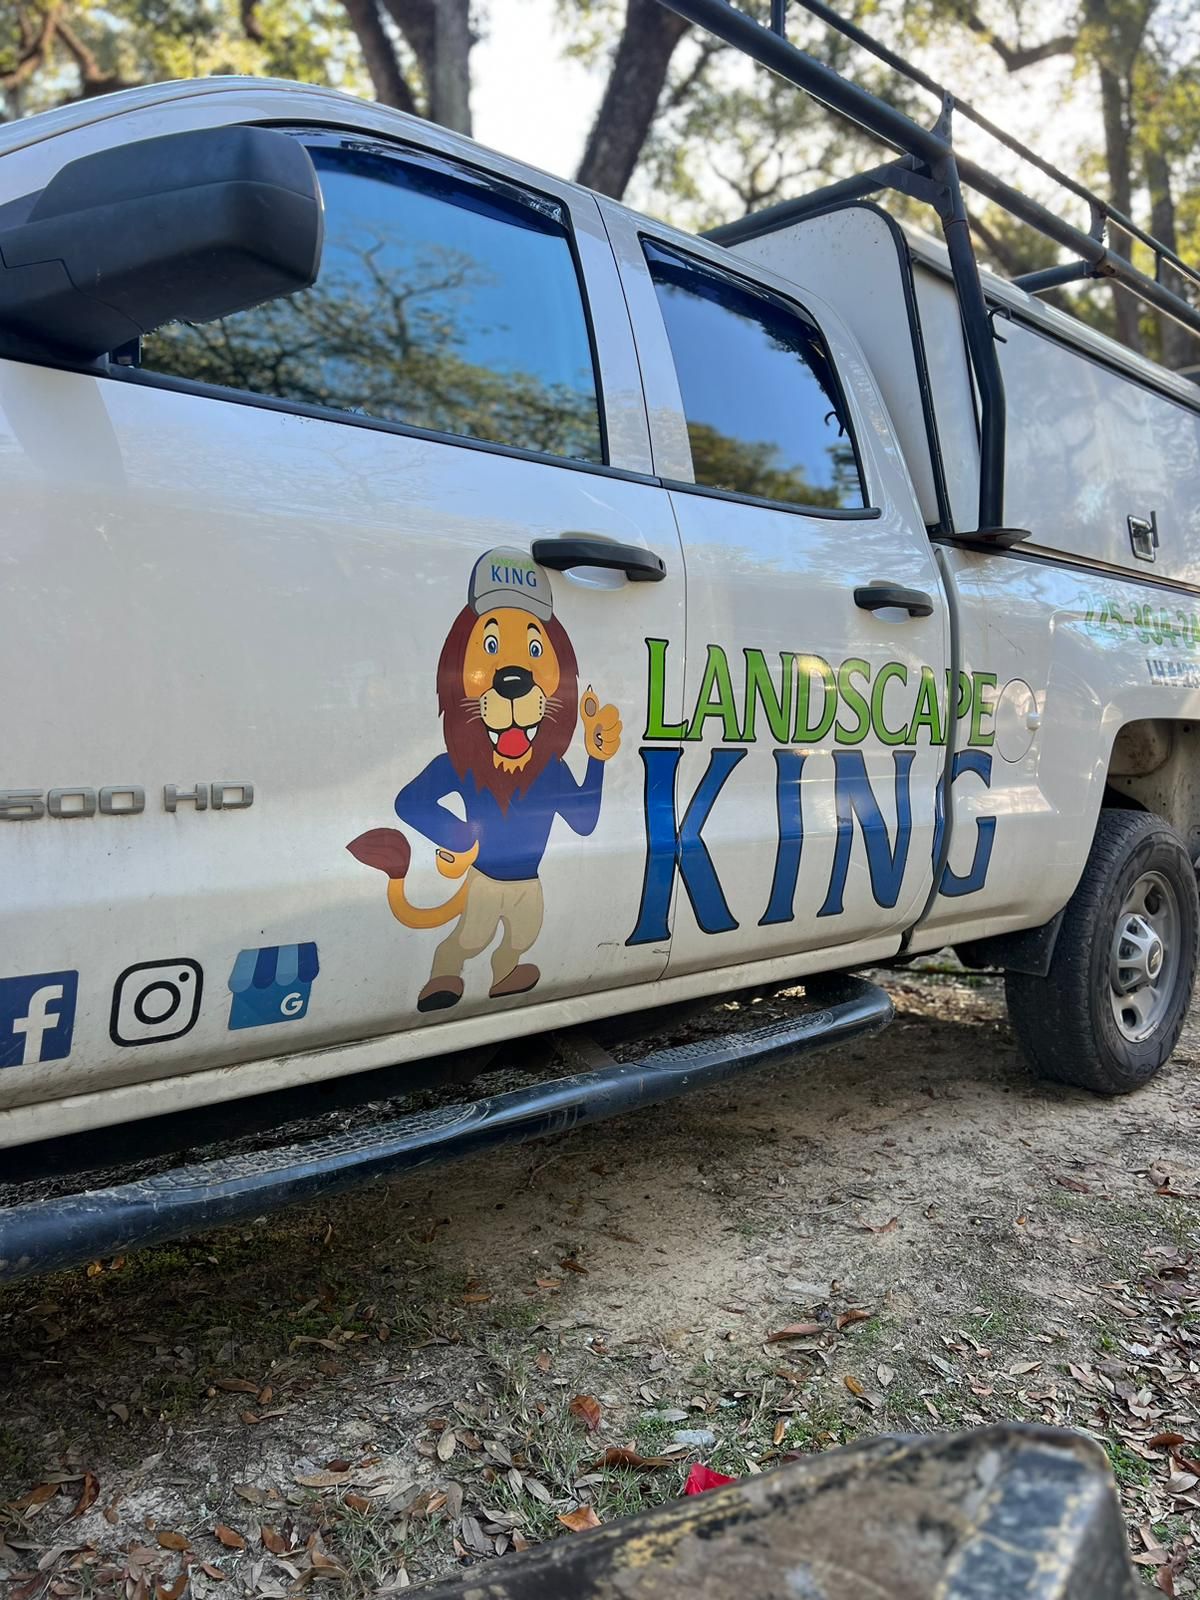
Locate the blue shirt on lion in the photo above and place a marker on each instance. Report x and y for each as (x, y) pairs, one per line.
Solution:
(511, 841)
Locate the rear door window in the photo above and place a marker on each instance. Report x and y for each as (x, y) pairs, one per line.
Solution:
(446, 301)
(765, 413)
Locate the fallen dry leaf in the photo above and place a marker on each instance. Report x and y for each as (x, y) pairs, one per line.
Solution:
(37, 1496)
(580, 1520)
(229, 1537)
(172, 1541)
(236, 1385)
(171, 1591)
(849, 1318)
(272, 1539)
(322, 1480)
(1076, 1185)
(91, 1488)
(796, 1330)
(447, 1445)
(585, 1408)
(1165, 1441)
(356, 1502)
(569, 1264)
(618, 1455)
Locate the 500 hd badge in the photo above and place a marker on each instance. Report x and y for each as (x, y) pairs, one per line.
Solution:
(120, 800)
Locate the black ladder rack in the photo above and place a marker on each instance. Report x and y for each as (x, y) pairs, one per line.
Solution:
(929, 170)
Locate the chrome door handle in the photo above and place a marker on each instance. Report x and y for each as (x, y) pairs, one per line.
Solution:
(881, 596)
(1143, 536)
(577, 550)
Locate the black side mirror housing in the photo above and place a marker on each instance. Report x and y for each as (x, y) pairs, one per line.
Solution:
(181, 228)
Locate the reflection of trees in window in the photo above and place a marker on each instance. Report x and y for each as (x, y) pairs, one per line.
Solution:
(745, 466)
(389, 339)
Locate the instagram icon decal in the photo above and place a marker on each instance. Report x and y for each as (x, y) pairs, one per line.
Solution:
(155, 1001)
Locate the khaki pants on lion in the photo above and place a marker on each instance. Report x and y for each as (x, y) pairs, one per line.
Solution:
(490, 902)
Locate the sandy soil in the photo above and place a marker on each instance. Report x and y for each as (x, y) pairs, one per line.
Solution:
(378, 1392)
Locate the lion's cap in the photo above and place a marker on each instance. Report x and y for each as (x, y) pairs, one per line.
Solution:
(508, 577)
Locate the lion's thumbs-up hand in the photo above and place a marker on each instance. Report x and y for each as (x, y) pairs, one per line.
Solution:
(601, 726)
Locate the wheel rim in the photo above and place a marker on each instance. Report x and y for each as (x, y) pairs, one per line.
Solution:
(1145, 957)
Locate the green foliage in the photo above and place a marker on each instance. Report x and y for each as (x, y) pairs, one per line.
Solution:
(93, 48)
(746, 467)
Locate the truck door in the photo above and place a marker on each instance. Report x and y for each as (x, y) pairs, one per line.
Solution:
(334, 728)
(814, 687)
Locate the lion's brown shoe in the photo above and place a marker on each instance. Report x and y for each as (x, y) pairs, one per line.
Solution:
(520, 980)
(439, 993)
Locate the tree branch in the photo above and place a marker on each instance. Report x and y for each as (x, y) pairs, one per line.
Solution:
(93, 79)
(251, 26)
(1016, 57)
(35, 46)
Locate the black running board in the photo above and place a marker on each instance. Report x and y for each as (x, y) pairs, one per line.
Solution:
(67, 1230)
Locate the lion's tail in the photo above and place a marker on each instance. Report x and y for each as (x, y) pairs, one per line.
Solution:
(424, 916)
(389, 851)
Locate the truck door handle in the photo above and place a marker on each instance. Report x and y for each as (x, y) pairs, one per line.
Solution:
(576, 550)
(879, 596)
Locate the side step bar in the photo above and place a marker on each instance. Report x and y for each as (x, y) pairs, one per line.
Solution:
(70, 1229)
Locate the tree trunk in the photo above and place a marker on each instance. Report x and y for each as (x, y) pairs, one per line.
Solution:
(450, 80)
(379, 54)
(631, 96)
(1179, 347)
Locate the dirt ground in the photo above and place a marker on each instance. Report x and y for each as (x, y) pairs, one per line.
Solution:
(423, 1377)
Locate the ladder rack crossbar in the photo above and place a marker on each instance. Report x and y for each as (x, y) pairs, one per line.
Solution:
(1100, 208)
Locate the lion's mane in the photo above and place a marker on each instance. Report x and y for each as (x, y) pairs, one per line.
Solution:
(467, 743)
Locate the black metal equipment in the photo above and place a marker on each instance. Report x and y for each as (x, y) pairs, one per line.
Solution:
(1007, 1512)
(45, 1233)
(930, 171)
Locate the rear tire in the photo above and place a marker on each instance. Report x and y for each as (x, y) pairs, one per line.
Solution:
(1109, 1012)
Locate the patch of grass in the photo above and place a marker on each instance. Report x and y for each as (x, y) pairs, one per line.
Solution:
(1128, 1469)
(652, 1434)
(1001, 1315)
(517, 1316)
(624, 1493)
(371, 1547)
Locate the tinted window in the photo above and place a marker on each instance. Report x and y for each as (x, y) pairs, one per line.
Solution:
(444, 302)
(764, 411)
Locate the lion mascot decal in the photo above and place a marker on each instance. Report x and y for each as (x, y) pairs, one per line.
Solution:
(508, 695)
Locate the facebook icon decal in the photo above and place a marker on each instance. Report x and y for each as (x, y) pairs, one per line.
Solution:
(37, 1017)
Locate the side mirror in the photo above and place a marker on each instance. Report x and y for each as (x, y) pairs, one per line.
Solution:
(186, 227)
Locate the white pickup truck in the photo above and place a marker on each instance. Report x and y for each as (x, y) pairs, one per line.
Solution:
(440, 605)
